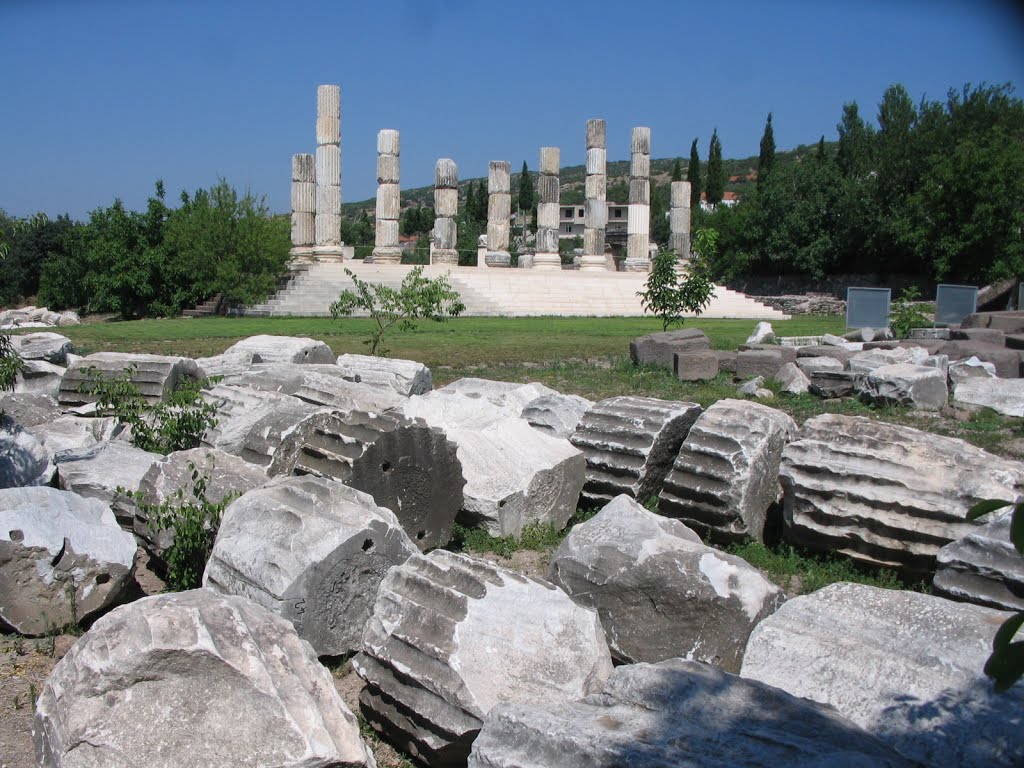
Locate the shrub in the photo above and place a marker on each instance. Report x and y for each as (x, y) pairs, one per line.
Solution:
(10, 363)
(905, 314)
(670, 293)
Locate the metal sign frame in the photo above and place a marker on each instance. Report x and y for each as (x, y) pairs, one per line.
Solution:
(951, 301)
(868, 307)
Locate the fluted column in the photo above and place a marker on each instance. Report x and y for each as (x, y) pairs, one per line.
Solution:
(679, 220)
(328, 174)
(546, 256)
(446, 210)
(389, 199)
(303, 207)
(499, 212)
(638, 225)
(595, 210)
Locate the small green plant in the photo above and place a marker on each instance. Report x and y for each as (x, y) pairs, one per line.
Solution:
(418, 298)
(906, 314)
(194, 521)
(670, 292)
(10, 363)
(173, 425)
(538, 537)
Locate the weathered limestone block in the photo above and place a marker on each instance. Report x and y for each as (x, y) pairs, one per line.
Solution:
(311, 550)
(698, 603)
(385, 236)
(436, 662)
(595, 214)
(630, 444)
(406, 377)
(677, 713)
(319, 384)
(1007, 322)
(328, 201)
(659, 348)
(445, 237)
(452, 409)
(547, 215)
(446, 203)
(389, 203)
(40, 377)
(328, 166)
(222, 474)
(759, 362)
(388, 169)
(597, 160)
(499, 177)
(640, 192)
(983, 567)
(556, 414)
(328, 114)
(596, 133)
(825, 350)
(970, 368)
(701, 365)
(303, 169)
(497, 236)
(510, 397)
(303, 231)
(499, 206)
(156, 376)
(870, 359)
(905, 666)
(388, 142)
(918, 386)
(70, 436)
(1005, 396)
(639, 219)
(793, 380)
(63, 559)
(1006, 361)
(194, 679)
(810, 365)
(284, 349)
(550, 161)
(98, 472)
(726, 477)
(24, 460)
(45, 346)
(762, 334)
(304, 197)
(596, 186)
(641, 140)
(828, 384)
(407, 466)
(328, 229)
(27, 409)
(228, 363)
(884, 494)
(446, 173)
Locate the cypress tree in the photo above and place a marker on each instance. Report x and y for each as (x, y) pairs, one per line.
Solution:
(677, 170)
(526, 193)
(822, 153)
(715, 187)
(766, 159)
(470, 207)
(693, 176)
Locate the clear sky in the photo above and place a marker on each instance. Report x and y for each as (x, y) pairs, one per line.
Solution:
(103, 97)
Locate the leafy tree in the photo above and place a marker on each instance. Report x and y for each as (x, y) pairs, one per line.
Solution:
(715, 186)
(660, 227)
(693, 176)
(677, 170)
(10, 363)
(821, 153)
(527, 196)
(670, 293)
(766, 158)
(29, 244)
(856, 140)
(418, 298)
(906, 314)
(469, 209)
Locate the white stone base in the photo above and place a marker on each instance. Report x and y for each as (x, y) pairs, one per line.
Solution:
(549, 261)
(444, 256)
(632, 264)
(593, 264)
(302, 254)
(497, 259)
(387, 255)
(328, 253)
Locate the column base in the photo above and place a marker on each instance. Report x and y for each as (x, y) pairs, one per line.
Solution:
(498, 259)
(301, 255)
(593, 264)
(447, 256)
(634, 264)
(328, 253)
(387, 255)
(547, 261)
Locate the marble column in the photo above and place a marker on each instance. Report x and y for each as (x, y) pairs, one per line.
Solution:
(446, 211)
(389, 200)
(679, 220)
(638, 224)
(595, 210)
(546, 255)
(327, 224)
(303, 207)
(499, 213)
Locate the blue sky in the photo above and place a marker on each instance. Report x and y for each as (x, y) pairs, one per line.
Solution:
(103, 97)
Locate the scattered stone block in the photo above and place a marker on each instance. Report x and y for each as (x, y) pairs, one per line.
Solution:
(509, 396)
(101, 470)
(869, 360)
(1006, 361)
(659, 348)
(789, 354)
(868, 335)
(317, 383)
(983, 567)
(24, 460)
(557, 415)
(700, 603)
(824, 350)
(70, 437)
(450, 409)
(750, 388)
(48, 347)
(918, 386)
(673, 714)
(156, 376)
(1005, 396)
(830, 384)
(40, 377)
(904, 666)
(726, 360)
(436, 659)
(792, 379)
(63, 559)
(725, 479)
(920, 334)
(763, 334)
(885, 494)
(1007, 322)
(312, 551)
(810, 365)
(695, 366)
(284, 349)
(984, 335)
(405, 377)
(27, 409)
(193, 679)
(971, 368)
(1015, 340)
(630, 444)
(838, 341)
(759, 362)
(228, 363)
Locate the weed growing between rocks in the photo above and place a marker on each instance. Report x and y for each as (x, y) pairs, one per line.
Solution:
(537, 537)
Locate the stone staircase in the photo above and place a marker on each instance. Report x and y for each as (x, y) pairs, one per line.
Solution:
(206, 309)
(499, 292)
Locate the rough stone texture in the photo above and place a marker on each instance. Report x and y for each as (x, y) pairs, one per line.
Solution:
(759, 362)
(98, 472)
(884, 494)
(698, 603)
(762, 334)
(446, 206)
(987, 335)
(872, 359)
(677, 713)
(194, 679)
(40, 377)
(156, 376)
(1005, 396)
(546, 256)
(725, 478)
(983, 567)
(284, 349)
(24, 460)
(830, 384)
(319, 384)
(792, 379)
(1006, 361)
(406, 465)
(660, 348)
(751, 388)
(557, 414)
(451, 409)
(303, 168)
(451, 636)
(510, 397)
(45, 346)
(1007, 322)
(824, 350)
(695, 366)
(63, 559)
(918, 386)
(811, 365)
(499, 178)
(27, 409)
(312, 551)
(905, 666)
(328, 114)
(971, 368)
(499, 205)
(726, 359)
(406, 377)
(630, 444)
(68, 437)
(223, 474)
(595, 208)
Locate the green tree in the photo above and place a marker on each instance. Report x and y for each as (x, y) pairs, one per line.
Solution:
(715, 185)
(670, 293)
(527, 196)
(856, 139)
(693, 176)
(418, 298)
(766, 158)
(10, 364)
(677, 170)
(660, 227)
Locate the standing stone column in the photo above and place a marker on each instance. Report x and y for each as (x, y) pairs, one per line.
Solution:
(303, 207)
(328, 173)
(446, 209)
(389, 199)
(499, 213)
(638, 225)
(595, 211)
(679, 221)
(546, 256)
